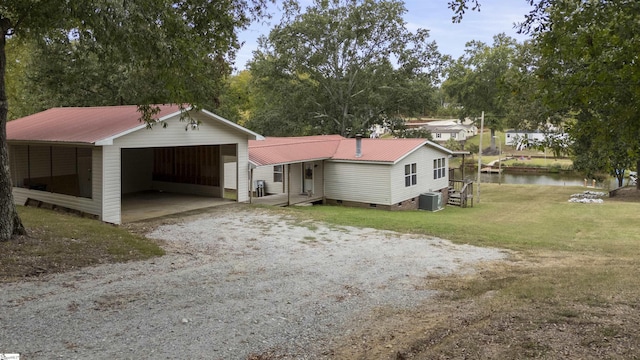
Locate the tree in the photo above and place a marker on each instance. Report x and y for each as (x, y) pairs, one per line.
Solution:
(590, 66)
(237, 98)
(170, 51)
(340, 67)
(477, 81)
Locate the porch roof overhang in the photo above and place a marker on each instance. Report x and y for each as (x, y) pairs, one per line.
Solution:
(257, 165)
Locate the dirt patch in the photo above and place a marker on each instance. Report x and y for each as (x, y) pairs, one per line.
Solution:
(628, 194)
(490, 324)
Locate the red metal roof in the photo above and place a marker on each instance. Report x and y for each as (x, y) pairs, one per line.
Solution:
(80, 124)
(283, 150)
(382, 150)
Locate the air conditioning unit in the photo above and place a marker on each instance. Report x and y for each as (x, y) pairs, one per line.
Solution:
(431, 201)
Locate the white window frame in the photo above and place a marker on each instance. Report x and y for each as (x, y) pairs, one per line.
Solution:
(278, 173)
(439, 168)
(410, 174)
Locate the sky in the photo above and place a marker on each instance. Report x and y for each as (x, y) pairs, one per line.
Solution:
(495, 16)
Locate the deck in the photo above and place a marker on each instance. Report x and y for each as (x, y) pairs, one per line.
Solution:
(281, 199)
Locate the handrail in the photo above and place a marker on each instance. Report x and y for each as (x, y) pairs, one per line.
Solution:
(465, 189)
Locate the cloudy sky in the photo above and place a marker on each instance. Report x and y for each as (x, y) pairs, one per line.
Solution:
(495, 16)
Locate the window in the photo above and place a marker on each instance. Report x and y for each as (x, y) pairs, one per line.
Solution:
(277, 173)
(410, 174)
(438, 168)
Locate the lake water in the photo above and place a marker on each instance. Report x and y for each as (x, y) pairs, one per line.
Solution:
(559, 179)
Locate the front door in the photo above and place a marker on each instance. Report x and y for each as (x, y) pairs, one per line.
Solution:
(307, 175)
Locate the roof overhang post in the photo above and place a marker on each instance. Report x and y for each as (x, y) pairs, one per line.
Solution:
(288, 184)
(251, 186)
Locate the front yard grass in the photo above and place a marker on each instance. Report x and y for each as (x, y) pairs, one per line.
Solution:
(570, 290)
(59, 242)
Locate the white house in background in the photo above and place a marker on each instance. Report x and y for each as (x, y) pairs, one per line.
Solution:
(523, 139)
(381, 173)
(444, 130)
(519, 138)
(87, 159)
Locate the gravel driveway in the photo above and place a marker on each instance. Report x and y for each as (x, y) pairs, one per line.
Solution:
(235, 282)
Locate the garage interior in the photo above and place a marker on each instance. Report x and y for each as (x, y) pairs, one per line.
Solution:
(167, 180)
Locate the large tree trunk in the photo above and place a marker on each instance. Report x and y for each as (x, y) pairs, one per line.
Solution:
(10, 223)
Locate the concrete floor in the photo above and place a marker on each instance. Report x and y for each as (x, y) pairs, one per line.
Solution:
(152, 204)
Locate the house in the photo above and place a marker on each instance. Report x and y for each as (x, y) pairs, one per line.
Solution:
(381, 173)
(520, 139)
(444, 130)
(524, 139)
(89, 159)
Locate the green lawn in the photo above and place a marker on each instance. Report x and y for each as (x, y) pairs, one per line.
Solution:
(58, 242)
(519, 217)
(571, 283)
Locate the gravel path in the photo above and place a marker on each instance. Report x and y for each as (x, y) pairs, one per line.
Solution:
(236, 282)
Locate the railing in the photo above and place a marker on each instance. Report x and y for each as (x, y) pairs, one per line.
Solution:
(464, 189)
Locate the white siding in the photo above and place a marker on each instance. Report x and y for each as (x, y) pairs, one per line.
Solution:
(295, 178)
(111, 185)
(210, 132)
(266, 173)
(137, 170)
(230, 176)
(243, 168)
(366, 183)
(423, 158)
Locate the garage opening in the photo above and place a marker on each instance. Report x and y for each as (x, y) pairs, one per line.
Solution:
(164, 180)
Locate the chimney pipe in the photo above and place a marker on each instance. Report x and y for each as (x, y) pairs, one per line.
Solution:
(358, 145)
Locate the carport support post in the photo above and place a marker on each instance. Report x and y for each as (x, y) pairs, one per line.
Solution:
(251, 186)
(289, 184)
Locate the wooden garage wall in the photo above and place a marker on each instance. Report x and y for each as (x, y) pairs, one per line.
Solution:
(196, 165)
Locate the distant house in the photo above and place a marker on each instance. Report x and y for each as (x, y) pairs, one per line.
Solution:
(381, 173)
(523, 139)
(87, 159)
(444, 130)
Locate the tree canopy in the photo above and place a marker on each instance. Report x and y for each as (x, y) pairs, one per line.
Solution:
(477, 81)
(590, 68)
(132, 52)
(341, 66)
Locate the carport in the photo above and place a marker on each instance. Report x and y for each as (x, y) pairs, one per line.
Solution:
(176, 165)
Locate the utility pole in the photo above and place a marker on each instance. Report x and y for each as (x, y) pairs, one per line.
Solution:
(480, 154)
